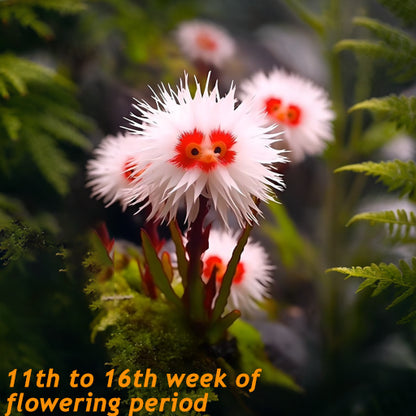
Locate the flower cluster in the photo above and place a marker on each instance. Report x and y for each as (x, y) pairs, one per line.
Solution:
(201, 153)
(298, 107)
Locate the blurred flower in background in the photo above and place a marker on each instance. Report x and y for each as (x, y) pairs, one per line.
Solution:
(253, 278)
(297, 106)
(205, 41)
(112, 171)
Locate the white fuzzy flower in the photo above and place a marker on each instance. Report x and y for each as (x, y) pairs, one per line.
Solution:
(201, 145)
(205, 41)
(300, 108)
(112, 170)
(253, 276)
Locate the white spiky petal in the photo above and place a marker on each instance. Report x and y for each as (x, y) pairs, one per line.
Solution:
(257, 278)
(229, 187)
(314, 130)
(221, 46)
(105, 172)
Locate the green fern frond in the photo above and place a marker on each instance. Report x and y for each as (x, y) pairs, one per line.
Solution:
(60, 104)
(400, 223)
(393, 45)
(404, 9)
(63, 131)
(396, 174)
(391, 36)
(26, 17)
(381, 276)
(398, 109)
(10, 208)
(50, 160)
(11, 78)
(25, 12)
(16, 73)
(61, 6)
(42, 117)
(10, 122)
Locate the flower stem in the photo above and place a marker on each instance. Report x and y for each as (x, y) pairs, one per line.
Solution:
(197, 243)
(229, 274)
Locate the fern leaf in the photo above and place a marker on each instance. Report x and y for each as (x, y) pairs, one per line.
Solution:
(3, 89)
(396, 174)
(400, 222)
(50, 161)
(62, 110)
(24, 12)
(393, 45)
(18, 72)
(26, 17)
(404, 9)
(14, 80)
(371, 49)
(61, 130)
(393, 37)
(382, 276)
(10, 122)
(61, 6)
(10, 208)
(41, 118)
(398, 109)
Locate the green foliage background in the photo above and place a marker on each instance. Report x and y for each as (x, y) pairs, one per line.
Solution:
(68, 70)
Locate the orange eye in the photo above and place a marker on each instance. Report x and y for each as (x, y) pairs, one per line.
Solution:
(219, 148)
(293, 115)
(193, 150)
(188, 149)
(221, 145)
(273, 106)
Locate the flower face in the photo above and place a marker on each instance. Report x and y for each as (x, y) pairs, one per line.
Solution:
(195, 150)
(205, 41)
(202, 145)
(112, 170)
(253, 276)
(299, 107)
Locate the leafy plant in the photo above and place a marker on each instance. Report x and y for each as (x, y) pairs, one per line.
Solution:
(398, 48)
(382, 276)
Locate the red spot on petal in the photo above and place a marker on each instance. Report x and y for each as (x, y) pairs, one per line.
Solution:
(215, 261)
(210, 263)
(129, 170)
(273, 107)
(205, 42)
(239, 273)
(293, 115)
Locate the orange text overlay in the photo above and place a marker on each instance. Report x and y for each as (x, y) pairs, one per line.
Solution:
(88, 402)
